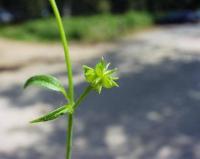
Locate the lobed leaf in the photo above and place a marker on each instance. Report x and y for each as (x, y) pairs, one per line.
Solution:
(54, 114)
(46, 81)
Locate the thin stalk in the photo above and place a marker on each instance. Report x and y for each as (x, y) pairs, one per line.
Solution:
(66, 49)
(69, 136)
(82, 97)
(70, 122)
(70, 78)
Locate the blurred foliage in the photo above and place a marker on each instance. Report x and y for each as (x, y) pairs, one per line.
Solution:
(81, 28)
(104, 6)
(35, 8)
(91, 20)
(24, 8)
(163, 5)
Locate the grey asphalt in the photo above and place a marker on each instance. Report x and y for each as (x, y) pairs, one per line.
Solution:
(154, 114)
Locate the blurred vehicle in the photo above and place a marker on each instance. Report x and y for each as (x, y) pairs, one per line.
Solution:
(5, 16)
(198, 15)
(179, 17)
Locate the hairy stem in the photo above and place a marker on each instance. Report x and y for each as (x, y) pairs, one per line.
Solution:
(70, 78)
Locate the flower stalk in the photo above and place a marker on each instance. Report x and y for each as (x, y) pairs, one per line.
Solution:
(70, 78)
(66, 49)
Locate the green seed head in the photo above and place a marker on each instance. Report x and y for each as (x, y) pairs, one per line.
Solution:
(100, 76)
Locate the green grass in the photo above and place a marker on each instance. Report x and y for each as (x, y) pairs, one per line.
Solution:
(88, 29)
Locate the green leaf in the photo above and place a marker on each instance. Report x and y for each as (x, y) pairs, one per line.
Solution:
(54, 114)
(46, 81)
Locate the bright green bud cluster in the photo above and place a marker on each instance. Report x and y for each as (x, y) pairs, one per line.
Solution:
(100, 76)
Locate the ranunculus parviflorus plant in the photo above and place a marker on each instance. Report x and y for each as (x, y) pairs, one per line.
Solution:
(97, 78)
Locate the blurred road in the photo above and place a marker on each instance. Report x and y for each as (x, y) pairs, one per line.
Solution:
(154, 114)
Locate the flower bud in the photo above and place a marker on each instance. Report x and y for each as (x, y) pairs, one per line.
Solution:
(100, 76)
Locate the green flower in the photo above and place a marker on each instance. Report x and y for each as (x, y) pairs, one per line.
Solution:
(100, 76)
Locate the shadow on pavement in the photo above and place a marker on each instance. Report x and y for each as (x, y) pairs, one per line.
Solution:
(154, 114)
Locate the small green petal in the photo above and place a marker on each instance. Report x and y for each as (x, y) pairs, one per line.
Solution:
(109, 72)
(115, 84)
(97, 80)
(87, 67)
(107, 83)
(99, 69)
(99, 89)
(107, 66)
(103, 62)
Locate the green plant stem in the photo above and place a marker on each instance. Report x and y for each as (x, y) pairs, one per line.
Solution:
(66, 49)
(70, 78)
(82, 97)
(69, 136)
(70, 121)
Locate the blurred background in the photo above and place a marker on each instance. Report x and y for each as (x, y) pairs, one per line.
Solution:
(154, 114)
